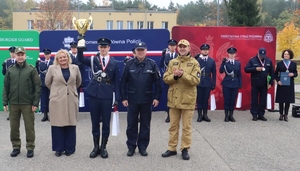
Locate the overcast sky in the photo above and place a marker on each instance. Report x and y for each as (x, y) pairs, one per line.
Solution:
(159, 3)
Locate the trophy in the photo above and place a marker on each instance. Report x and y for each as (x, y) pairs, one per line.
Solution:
(81, 25)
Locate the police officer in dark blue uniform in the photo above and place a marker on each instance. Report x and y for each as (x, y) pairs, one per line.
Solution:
(105, 81)
(231, 82)
(73, 54)
(207, 83)
(9, 62)
(139, 77)
(260, 67)
(42, 68)
(167, 55)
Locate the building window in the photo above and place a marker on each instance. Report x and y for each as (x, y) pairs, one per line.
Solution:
(140, 25)
(150, 25)
(129, 24)
(119, 25)
(30, 24)
(109, 24)
(164, 25)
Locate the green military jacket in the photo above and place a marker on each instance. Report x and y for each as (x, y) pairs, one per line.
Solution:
(22, 85)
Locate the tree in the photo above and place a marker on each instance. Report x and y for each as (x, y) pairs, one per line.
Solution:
(243, 12)
(288, 38)
(53, 15)
(171, 6)
(193, 13)
(283, 18)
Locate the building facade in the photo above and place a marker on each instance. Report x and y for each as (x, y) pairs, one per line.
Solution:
(107, 19)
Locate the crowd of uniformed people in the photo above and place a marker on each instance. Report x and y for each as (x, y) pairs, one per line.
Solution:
(187, 83)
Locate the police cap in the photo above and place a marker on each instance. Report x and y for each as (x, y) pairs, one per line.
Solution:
(104, 41)
(12, 49)
(47, 51)
(204, 47)
(262, 52)
(231, 50)
(141, 45)
(73, 44)
(172, 42)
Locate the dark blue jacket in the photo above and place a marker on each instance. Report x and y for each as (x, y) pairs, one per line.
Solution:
(230, 81)
(6, 64)
(42, 68)
(98, 89)
(165, 59)
(259, 78)
(138, 79)
(208, 72)
(76, 61)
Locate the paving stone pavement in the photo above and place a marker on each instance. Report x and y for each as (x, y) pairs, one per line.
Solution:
(243, 145)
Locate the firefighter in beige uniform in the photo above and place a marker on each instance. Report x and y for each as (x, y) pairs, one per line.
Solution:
(183, 76)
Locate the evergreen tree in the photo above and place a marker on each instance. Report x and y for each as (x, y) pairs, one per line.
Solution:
(243, 12)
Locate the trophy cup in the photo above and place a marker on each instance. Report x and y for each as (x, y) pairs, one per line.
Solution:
(82, 25)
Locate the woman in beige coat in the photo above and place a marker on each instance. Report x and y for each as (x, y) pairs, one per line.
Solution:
(63, 79)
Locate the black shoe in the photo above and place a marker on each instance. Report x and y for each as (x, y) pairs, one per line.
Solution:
(167, 120)
(169, 153)
(15, 152)
(130, 153)
(45, 118)
(68, 154)
(143, 152)
(254, 118)
(262, 118)
(30, 153)
(185, 154)
(103, 153)
(58, 154)
(95, 152)
(7, 118)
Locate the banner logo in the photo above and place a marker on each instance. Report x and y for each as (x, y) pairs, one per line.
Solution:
(67, 41)
(268, 37)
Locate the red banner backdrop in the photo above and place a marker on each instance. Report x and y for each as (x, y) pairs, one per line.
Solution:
(247, 41)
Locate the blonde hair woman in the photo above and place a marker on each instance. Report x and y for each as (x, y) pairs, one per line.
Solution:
(63, 79)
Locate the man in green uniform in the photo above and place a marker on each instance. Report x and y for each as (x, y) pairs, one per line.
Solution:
(22, 92)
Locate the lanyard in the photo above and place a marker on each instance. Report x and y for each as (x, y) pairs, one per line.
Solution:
(103, 67)
(287, 66)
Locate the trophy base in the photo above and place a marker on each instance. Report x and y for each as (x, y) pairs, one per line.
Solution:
(81, 45)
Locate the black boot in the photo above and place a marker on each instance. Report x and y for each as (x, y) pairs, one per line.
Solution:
(103, 151)
(231, 116)
(199, 115)
(45, 118)
(168, 117)
(226, 116)
(96, 149)
(205, 117)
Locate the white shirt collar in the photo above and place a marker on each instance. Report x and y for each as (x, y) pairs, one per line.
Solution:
(106, 59)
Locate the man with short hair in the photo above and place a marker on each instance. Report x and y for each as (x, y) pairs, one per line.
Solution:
(139, 77)
(104, 83)
(260, 67)
(9, 62)
(183, 76)
(167, 55)
(42, 68)
(22, 93)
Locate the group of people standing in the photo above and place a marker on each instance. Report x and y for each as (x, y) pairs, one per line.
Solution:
(188, 82)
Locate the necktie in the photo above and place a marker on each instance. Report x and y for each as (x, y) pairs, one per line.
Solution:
(103, 60)
(172, 55)
(47, 62)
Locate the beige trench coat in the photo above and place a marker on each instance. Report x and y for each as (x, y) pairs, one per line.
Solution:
(63, 105)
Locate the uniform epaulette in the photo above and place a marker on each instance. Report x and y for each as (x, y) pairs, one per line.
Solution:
(32, 66)
(7, 59)
(151, 60)
(130, 60)
(10, 66)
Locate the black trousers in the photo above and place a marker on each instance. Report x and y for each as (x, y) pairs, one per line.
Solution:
(202, 97)
(45, 93)
(139, 138)
(100, 108)
(230, 95)
(258, 100)
(63, 139)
